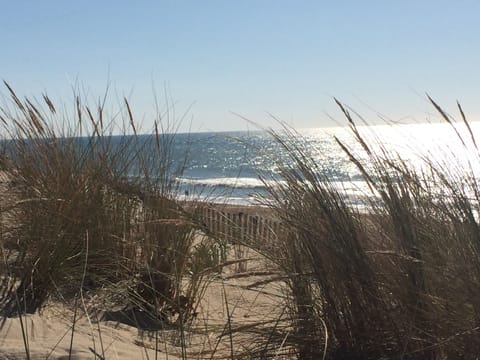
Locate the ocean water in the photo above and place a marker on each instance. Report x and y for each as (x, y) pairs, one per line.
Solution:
(229, 167)
(225, 167)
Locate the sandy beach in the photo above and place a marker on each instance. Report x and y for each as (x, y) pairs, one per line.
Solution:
(240, 297)
(49, 332)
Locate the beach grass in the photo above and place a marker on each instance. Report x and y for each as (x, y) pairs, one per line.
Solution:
(94, 216)
(396, 282)
(94, 224)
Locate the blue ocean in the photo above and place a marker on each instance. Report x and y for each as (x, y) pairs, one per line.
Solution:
(229, 167)
(226, 167)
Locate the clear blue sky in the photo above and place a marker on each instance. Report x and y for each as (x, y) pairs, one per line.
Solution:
(288, 58)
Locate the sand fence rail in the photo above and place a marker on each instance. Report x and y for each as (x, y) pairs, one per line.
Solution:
(240, 224)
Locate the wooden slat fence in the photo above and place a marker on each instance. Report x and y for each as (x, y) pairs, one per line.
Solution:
(237, 225)
(240, 224)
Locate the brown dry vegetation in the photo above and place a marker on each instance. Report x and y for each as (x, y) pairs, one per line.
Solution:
(117, 253)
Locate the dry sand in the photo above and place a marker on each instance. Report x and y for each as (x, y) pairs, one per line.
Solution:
(229, 302)
(49, 332)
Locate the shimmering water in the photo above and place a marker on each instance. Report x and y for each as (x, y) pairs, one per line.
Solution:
(226, 166)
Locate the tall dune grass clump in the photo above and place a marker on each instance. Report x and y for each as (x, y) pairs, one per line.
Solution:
(400, 281)
(91, 211)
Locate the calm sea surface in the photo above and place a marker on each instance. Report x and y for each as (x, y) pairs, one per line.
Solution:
(225, 167)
